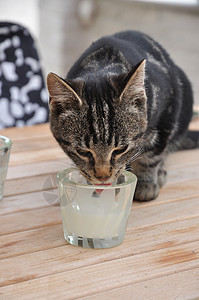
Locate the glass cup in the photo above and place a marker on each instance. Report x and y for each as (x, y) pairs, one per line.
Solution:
(95, 216)
(5, 147)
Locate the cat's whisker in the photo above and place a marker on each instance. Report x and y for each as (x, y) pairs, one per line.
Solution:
(137, 155)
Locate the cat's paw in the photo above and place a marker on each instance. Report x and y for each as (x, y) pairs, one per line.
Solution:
(162, 177)
(146, 191)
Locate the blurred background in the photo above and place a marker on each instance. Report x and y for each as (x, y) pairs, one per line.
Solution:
(62, 29)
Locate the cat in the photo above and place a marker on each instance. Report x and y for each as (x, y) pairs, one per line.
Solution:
(124, 104)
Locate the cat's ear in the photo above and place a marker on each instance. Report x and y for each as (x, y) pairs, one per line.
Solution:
(134, 88)
(61, 92)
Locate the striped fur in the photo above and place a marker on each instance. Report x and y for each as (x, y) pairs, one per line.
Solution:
(123, 104)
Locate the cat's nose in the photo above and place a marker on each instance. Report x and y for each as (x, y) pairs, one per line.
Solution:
(102, 172)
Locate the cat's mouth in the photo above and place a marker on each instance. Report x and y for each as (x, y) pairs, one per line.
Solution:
(91, 179)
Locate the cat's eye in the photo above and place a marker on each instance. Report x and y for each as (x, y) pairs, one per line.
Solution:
(116, 152)
(83, 152)
(86, 153)
(119, 151)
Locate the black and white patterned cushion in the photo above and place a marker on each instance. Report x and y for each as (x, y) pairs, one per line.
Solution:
(23, 95)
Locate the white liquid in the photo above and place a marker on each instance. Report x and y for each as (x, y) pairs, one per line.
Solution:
(95, 217)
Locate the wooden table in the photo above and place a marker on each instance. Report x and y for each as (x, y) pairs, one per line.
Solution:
(159, 258)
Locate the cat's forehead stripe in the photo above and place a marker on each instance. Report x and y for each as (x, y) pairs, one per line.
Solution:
(100, 112)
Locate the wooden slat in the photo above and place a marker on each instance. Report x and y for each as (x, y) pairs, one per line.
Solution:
(14, 133)
(182, 158)
(33, 143)
(31, 241)
(36, 156)
(28, 202)
(91, 279)
(180, 174)
(30, 219)
(38, 168)
(174, 286)
(168, 212)
(29, 184)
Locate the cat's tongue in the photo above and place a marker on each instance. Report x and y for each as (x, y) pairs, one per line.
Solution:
(99, 191)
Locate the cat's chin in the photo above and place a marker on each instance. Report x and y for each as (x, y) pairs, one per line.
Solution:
(97, 182)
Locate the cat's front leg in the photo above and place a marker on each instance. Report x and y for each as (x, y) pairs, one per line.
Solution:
(151, 176)
(146, 191)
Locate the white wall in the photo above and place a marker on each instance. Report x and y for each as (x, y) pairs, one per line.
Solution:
(25, 12)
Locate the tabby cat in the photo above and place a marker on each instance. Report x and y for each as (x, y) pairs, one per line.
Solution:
(124, 104)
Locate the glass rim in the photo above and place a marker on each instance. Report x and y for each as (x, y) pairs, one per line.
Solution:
(7, 142)
(132, 178)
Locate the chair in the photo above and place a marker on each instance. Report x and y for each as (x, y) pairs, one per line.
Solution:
(23, 95)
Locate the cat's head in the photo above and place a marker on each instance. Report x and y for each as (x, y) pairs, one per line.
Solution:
(99, 122)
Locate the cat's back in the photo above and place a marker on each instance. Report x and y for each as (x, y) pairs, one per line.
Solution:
(119, 53)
